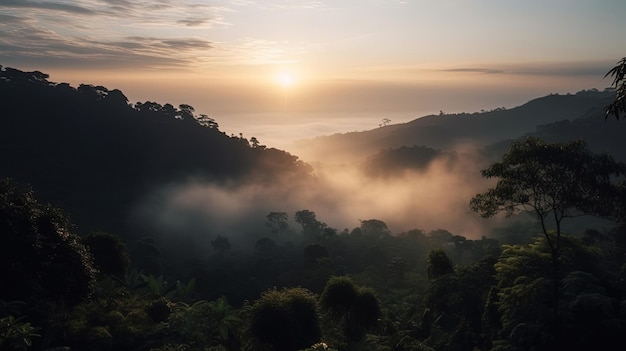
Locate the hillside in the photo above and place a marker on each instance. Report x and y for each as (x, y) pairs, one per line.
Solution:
(89, 150)
(448, 131)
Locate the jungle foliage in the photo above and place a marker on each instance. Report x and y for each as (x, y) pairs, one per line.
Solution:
(406, 291)
(310, 288)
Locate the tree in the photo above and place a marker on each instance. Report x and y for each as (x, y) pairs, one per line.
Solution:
(618, 73)
(308, 221)
(255, 143)
(150, 106)
(206, 121)
(553, 181)
(185, 111)
(355, 309)
(286, 319)
(374, 228)
(277, 222)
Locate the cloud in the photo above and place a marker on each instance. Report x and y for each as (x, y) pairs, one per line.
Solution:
(562, 69)
(157, 44)
(50, 5)
(193, 22)
(27, 43)
(106, 34)
(475, 70)
(121, 34)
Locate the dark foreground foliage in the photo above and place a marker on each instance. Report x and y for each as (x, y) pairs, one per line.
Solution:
(500, 298)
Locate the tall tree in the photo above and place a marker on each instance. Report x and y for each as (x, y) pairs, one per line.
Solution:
(308, 220)
(554, 181)
(277, 222)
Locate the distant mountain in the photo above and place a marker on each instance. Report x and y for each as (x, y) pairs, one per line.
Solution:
(91, 152)
(451, 131)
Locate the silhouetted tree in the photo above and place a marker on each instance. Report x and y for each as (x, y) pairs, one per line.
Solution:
(254, 142)
(207, 121)
(116, 97)
(186, 111)
(374, 228)
(553, 181)
(618, 73)
(277, 222)
(169, 111)
(308, 221)
(148, 106)
(558, 181)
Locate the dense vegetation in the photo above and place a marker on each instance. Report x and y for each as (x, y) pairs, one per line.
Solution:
(313, 287)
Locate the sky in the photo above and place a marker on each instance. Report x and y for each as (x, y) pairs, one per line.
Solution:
(284, 70)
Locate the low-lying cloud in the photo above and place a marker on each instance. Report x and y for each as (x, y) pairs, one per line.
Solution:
(434, 198)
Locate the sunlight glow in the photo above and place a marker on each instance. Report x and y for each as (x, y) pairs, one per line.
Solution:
(285, 79)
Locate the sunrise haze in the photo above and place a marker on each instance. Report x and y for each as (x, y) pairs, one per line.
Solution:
(284, 70)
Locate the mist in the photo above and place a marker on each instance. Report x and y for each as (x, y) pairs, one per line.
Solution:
(195, 211)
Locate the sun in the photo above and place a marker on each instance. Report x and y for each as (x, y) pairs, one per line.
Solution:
(285, 79)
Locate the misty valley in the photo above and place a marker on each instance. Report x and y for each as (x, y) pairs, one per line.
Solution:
(144, 226)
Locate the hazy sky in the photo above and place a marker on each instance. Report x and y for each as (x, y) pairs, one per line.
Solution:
(286, 69)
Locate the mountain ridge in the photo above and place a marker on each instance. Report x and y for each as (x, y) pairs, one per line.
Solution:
(445, 131)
